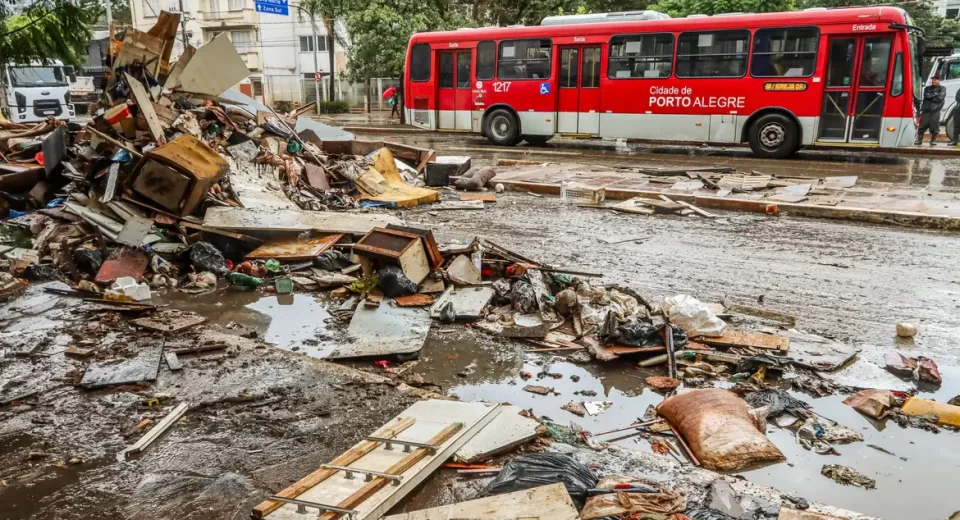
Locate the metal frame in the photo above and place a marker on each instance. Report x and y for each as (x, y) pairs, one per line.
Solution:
(302, 506)
(407, 445)
(368, 474)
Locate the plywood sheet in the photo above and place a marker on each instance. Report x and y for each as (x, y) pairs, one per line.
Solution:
(295, 248)
(142, 367)
(385, 330)
(145, 104)
(544, 503)
(507, 431)
(468, 302)
(259, 219)
(394, 189)
(431, 417)
(743, 338)
(214, 68)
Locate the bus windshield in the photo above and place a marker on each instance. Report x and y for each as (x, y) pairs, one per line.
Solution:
(37, 77)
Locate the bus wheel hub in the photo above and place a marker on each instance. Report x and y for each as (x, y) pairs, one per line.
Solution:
(772, 135)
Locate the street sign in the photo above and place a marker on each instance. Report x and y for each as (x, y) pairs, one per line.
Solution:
(317, 76)
(273, 7)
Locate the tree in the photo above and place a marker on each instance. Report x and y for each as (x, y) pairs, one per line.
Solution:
(48, 30)
(326, 12)
(681, 8)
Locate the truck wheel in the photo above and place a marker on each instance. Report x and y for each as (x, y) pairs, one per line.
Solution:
(502, 128)
(773, 136)
(537, 140)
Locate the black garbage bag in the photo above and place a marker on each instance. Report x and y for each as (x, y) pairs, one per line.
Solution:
(87, 260)
(541, 469)
(644, 335)
(393, 283)
(332, 260)
(778, 400)
(706, 514)
(208, 258)
(39, 273)
(753, 363)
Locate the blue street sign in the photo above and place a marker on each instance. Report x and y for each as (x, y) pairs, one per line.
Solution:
(544, 88)
(273, 7)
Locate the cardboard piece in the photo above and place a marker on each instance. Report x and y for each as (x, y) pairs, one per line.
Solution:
(392, 188)
(214, 68)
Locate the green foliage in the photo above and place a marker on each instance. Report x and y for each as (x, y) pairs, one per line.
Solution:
(333, 107)
(49, 30)
(681, 8)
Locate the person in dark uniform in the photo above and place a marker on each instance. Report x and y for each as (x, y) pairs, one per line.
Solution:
(933, 97)
(956, 121)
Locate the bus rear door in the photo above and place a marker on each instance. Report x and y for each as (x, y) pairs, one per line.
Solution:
(855, 90)
(454, 91)
(578, 97)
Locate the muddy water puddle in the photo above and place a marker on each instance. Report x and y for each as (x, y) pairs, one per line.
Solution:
(473, 366)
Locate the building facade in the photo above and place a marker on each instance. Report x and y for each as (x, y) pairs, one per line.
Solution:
(277, 49)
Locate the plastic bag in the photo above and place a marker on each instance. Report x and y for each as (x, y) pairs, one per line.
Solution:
(707, 514)
(87, 260)
(719, 429)
(542, 469)
(657, 499)
(332, 260)
(779, 401)
(643, 335)
(208, 258)
(39, 273)
(694, 317)
(447, 313)
(393, 283)
(523, 298)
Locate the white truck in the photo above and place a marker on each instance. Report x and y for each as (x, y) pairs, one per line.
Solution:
(35, 92)
(947, 68)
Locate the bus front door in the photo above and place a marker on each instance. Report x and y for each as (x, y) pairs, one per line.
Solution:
(578, 99)
(855, 89)
(454, 100)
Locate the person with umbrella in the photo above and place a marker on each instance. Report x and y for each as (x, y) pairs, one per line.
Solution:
(393, 99)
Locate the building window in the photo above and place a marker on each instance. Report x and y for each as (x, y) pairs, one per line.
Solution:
(151, 7)
(952, 14)
(420, 62)
(720, 54)
(788, 53)
(242, 41)
(307, 43)
(524, 59)
(640, 56)
(486, 60)
(236, 5)
(257, 87)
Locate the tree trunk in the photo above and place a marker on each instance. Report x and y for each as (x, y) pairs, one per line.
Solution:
(333, 62)
(316, 66)
(366, 88)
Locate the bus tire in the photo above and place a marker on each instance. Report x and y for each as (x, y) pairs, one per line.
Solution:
(502, 128)
(773, 136)
(537, 140)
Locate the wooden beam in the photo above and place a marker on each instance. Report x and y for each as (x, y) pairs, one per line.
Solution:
(157, 430)
(357, 498)
(348, 457)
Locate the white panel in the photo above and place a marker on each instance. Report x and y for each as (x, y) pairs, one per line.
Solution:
(655, 126)
(425, 119)
(446, 119)
(463, 120)
(903, 135)
(589, 123)
(723, 129)
(567, 122)
(537, 123)
(809, 127)
(477, 121)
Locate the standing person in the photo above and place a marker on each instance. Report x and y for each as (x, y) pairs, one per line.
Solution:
(394, 103)
(933, 97)
(956, 121)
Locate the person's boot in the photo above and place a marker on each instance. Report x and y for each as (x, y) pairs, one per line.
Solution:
(933, 139)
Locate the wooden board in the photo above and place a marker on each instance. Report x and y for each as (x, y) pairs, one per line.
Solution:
(415, 300)
(292, 249)
(634, 205)
(485, 197)
(253, 219)
(507, 431)
(542, 503)
(145, 104)
(743, 338)
(384, 331)
(141, 367)
(431, 418)
(169, 321)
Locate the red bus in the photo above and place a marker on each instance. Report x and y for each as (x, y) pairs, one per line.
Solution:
(778, 81)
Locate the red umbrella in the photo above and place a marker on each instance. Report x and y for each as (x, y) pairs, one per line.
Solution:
(389, 92)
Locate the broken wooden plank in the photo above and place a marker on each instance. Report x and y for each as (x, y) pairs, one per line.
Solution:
(415, 300)
(157, 431)
(169, 321)
(508, 430)
(634, 205)
(743, 338)
(146, 108)
(266, 219)
(696, 210)
(292, 249)
(485, 197)
(347, 458)
(545, 502)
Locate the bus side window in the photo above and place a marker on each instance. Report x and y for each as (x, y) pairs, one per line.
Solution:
(524, 59)
(790, 53)
(420, 62)
(445, 77)
(486, 60)
(718, 54)
(640, 56)
(897, 87)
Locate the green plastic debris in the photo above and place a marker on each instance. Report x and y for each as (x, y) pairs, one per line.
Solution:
(562, 278)
(245, 280)
(272, 265)
(294, 146)
(283, 285)
(364, 285)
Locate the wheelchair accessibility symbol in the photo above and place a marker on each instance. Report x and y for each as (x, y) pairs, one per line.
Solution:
(544, 88)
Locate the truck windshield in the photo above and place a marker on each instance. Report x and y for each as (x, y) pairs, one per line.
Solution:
(37, 77)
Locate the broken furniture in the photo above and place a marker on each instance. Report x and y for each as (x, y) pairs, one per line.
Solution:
(393, 247)
(178, 175)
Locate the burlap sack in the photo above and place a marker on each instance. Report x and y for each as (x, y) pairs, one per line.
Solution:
(718, 427)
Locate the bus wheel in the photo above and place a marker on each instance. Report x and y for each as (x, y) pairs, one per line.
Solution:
(537, 140)
(502, 128)
(773, 136)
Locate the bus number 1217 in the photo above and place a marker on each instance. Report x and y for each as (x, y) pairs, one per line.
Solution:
(501, 86)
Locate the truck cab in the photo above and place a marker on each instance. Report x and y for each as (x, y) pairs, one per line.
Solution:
(35, 92)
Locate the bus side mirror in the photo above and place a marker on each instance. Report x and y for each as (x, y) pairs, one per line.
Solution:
(921, 46)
